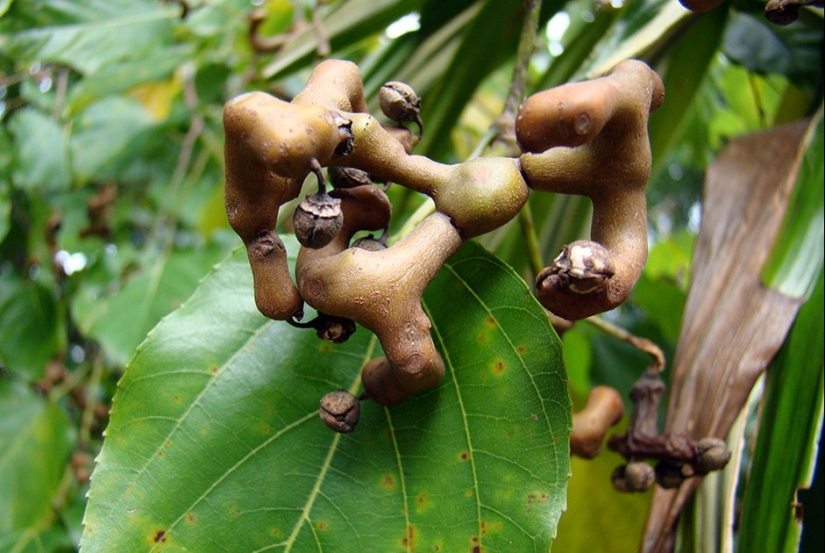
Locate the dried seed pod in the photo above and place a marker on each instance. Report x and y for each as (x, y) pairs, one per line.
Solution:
(604, 409)
(636, 476)
(340, 410)
(603, 125)
(334, 329)
(370, 244)
(400, 103)
(347, 177)
(582, 266)
(317, 220)
(669, 475)
(711, 454)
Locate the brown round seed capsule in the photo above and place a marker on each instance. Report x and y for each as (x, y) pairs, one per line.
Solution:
(334, 329)
(340, 410)
(317, 220)
(711, 454)
(370, 244)
(635, 476)
(347, 177)
(400, 103)
(669, 475)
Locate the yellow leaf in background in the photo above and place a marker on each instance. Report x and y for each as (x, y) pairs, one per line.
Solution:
(157, 97)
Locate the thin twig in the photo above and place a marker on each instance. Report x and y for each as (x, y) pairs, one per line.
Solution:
(526, 45)
(528, 233)
(87, 418)
(321, 34)
(642, 344)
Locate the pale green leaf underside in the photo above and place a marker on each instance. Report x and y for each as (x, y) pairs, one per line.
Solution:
(215, 444)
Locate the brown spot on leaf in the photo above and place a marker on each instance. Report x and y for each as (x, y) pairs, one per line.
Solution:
(213, 370)
(408, 541)
(388, 482)
(176, 398)
(465, 455)
(487, 528)
(191, 518)
(537, 498)
(421, 499)
(322, 525)
(491, 322)
(498, 367)
(160, 536)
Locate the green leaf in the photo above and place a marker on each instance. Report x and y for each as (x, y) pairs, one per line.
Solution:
(688, 61)
(346, 24)
(35, 442)
(214, 440)
(31, 326)
(87, 34)
(763, 47)
(120, 77)
(102, 135)
(490, 38)
(797, 254)
(41, 160)
(121, 321)
(789, 428)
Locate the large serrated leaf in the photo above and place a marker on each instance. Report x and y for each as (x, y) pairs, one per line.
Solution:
(215, 443)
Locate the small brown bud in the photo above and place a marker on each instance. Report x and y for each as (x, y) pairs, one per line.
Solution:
(669, 475)
(334, 329)
(347, 177)
(317, 220)
(400, 103)
(370, 244)
(582, 266)
(636, 476)
(340, 410)
(711, 454)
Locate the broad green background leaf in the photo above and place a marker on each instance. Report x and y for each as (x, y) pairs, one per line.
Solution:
(121, 321)
(215, 441)
(790, 425)
(42, 161)
(346, 24)
(35, 442)
(102, 136)
(31, 326)
(86, 34)
(797, 255)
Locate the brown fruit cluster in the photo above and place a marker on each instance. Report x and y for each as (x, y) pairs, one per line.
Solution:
(586, 138)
